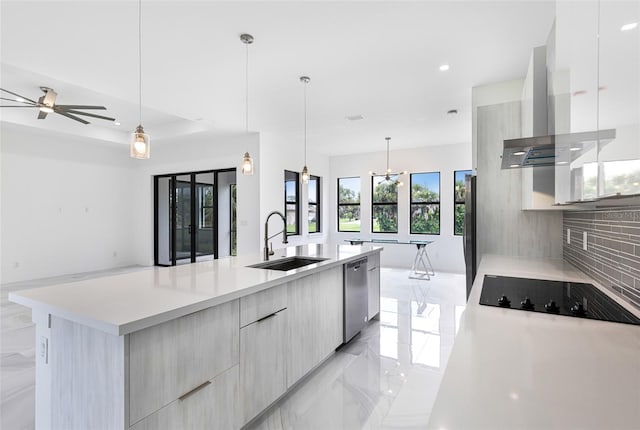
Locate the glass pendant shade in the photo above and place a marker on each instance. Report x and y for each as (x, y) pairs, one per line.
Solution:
(139, 146)
(247, 164)
(305, 175)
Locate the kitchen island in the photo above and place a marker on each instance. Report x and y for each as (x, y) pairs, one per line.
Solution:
(511, 369)
(209, 344)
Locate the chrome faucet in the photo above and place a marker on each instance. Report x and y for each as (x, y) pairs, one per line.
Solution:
(267, 251)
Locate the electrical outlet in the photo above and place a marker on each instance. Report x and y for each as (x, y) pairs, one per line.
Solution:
(569, 236)
(584, 240)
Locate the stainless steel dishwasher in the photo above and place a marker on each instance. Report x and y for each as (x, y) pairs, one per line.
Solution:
(355, 298)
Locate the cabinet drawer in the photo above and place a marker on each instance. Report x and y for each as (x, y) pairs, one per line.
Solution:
(262, 364)
(170, 359)
(213, 406)
(262, 304)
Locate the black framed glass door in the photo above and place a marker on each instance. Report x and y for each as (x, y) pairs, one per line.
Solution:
(186, 223)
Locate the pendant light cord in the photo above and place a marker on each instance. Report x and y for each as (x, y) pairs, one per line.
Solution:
(305, 123)
(246, 92)
(140, 60)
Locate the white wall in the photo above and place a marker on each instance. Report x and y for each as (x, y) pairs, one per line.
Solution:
(280, 153)
(198, 153)
(65, 205)
(446, 253)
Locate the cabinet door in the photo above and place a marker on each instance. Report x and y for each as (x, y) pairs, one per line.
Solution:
(619, 98)
(262, 363)
(170, 359)
(212, 406)
(575, 88)
(315, 320)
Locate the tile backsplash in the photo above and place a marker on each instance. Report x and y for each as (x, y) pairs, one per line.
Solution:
(612, 256)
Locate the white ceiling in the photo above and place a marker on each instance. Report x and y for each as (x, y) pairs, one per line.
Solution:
(377, 59)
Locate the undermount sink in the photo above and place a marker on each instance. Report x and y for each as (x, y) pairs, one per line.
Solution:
(289, 263)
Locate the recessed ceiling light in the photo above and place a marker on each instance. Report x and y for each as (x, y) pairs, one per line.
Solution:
(116, 123)
(444, 67)
(514, 165)
(562, 162)
(354, 117)
(46, 109)
(20, 99)
(519, 153)
(575, 148)
(452, 112)
(629, 26)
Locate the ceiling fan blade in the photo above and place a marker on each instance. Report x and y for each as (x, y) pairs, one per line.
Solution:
(71, 116)
(67, 107)
(20, 106)
(16, 101)
(17, 95)
(75, 112)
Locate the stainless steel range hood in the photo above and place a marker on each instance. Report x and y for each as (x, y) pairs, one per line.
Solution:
(545, 148)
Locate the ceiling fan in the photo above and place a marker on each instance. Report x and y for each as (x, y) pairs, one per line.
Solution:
(47, 104)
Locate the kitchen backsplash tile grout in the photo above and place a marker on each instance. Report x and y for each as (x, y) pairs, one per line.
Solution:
(613, 248)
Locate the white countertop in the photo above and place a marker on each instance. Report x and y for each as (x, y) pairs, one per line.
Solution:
(526, 370)
(129, 302)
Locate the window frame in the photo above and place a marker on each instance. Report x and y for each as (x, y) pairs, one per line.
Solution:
(201, 198)
(456, 202)
(374, 204)
(296, 202)
(317, 204)
(439, 202)
(359, 204)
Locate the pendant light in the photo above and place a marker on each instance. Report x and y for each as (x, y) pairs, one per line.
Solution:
(388, 174)
(305, 172)
(139, 146)
(247, 161)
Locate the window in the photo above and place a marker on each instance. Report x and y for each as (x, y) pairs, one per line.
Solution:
(425, 203)
(384, 204)
(292, 202)
(349, 204)
(205, 197)
(234, 219)
(458, 200)
(314, 204)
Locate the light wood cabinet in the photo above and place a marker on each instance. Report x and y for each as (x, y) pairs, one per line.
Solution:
(263, 303)
(262, 363)
(212, 406)
(315, 321)
(172, 358)
(373, 285)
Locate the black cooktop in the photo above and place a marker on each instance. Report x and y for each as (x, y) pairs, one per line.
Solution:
(572, 299)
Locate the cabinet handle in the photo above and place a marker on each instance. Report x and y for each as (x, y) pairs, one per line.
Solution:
(198, 388)
(268, 316)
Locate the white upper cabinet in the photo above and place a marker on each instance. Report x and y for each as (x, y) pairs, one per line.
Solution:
(596, 88)
(619, 97)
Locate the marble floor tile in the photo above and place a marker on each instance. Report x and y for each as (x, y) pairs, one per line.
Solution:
(387, 377)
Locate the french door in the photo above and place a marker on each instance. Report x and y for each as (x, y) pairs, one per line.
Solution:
(187, 227)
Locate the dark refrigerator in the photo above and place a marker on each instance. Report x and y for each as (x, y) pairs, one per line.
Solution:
(469, 243)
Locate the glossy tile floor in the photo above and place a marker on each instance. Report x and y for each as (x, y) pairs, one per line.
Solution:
(387, 377)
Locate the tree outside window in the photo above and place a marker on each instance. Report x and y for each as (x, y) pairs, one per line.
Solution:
(458, 200)
(425, 203)
(384, 204)
(349, 204)
(314, 204)
(292, 202)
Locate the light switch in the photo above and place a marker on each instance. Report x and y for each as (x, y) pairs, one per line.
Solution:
(569, 236)
(584, 240)
(44, 349)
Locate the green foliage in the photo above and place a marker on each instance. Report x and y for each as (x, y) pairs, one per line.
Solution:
(459, 191)
(385, 219)
(458, 219)
(420, 193)
(346, 195)
(425, 218)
